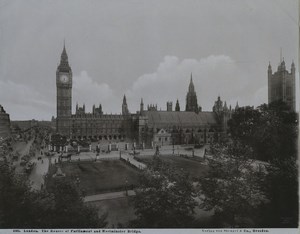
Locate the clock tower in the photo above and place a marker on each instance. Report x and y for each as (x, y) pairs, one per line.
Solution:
(63, 95)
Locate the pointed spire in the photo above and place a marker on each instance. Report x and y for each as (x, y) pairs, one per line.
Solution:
(237, 105)
(64, 64)
(191, 85)
(124, 100)
(64, 55)
(142, 106)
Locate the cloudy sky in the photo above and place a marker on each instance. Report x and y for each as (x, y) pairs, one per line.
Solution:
(141, 48)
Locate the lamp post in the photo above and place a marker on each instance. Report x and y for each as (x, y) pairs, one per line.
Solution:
(126, 187)
(173, 143)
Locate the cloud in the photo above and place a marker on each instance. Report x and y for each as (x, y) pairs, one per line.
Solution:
(89, 92)
(212, 76)
(24, 102)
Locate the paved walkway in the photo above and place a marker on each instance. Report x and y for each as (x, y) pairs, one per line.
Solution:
(38, 172)
(132, 161)
(107, 196)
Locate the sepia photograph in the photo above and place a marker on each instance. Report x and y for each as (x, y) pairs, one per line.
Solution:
(135, 115)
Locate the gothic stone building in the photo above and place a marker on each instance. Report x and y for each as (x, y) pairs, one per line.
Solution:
(5, 130)
(281, 85)
(147, 127)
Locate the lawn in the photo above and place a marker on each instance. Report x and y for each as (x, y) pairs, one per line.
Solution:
(101, 176)
(194, 167)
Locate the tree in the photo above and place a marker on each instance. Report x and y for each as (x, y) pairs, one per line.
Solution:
(281, 186)
(164, 199)
(57, 206)
(271, 130)
(68, 209)
(232, 187)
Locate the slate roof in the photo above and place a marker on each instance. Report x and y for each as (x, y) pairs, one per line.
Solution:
(181, 118)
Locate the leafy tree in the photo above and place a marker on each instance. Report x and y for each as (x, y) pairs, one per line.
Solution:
(271, 130)
(281, 186)
(59, 206)
(232, 187)
(165, 199)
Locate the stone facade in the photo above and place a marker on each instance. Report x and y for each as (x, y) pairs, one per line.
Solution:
(145, 127)
(5, 130)
(281, 85)
(98, 126)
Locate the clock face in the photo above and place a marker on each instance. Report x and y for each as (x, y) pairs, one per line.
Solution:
(64, 78)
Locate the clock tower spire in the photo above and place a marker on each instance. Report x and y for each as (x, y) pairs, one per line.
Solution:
(64, 94)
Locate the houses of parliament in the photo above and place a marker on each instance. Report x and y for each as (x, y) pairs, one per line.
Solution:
(150, 125)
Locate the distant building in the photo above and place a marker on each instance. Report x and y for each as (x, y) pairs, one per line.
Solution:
(177, 107)
(184, 127)
(145, 127)
(281, 85)
(169, 106)
(5, 128)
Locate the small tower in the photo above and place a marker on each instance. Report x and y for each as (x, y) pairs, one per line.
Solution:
(222, 112)
(225, 107)
(177, 107)
(218, 107)
(236, 106)
(281, 85)
(269, 81)
(100, 109)
(124, 106)
(169, 106)
(191, 98)
(141, 106)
